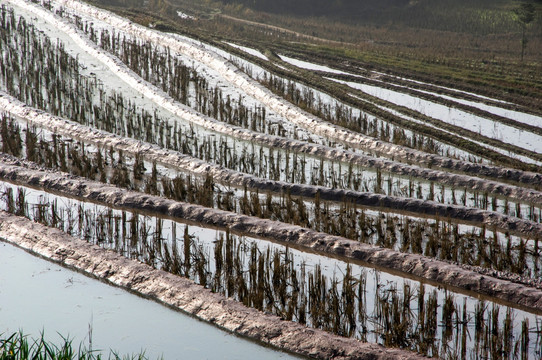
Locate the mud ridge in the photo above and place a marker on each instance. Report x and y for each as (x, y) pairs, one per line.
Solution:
(168, 157)
(443, 101)
(292, 113)
(411, 264)
(59, 182)
(185, 295)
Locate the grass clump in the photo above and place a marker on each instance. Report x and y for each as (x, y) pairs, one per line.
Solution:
(19, 346)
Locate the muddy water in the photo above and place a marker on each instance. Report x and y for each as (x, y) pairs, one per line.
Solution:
(37, 295)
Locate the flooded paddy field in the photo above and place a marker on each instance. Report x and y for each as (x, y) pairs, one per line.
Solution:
(104, 318)
(292, 284)
(383, 215)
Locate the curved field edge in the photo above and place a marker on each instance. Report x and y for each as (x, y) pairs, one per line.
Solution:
(431, 127)
(69, 128)
(520, 89)
(108, 194)
(184, 295)
(440, 100)
(420, 267)
(315, 80)
(281, 106)
(483, 79)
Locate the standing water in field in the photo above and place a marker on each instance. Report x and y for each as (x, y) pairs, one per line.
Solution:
(38, 296)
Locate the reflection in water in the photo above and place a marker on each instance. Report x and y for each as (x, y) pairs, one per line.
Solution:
(36, 295)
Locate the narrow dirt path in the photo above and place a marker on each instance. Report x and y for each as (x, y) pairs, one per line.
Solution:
(283, 30)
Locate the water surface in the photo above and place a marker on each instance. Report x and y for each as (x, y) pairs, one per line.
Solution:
(37, 295)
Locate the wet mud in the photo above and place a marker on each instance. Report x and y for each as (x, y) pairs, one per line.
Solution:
(183, 294)
(414, 265)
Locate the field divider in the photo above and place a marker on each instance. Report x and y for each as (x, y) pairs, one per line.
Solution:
(274, 102)
(35, 117)
(418, 266)
(438, 100)
(237, 179)
(185, 295)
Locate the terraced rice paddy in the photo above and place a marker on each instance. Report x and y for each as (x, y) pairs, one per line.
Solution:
(368, 208)
(101, 318)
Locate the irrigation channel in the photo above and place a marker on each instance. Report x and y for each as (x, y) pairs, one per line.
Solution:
(358, 216)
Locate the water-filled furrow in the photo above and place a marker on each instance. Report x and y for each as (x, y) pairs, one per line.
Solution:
(486, 127)
(356, 158)
(511, 256)
(106, 140)
(416, 206)
(187, 296)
